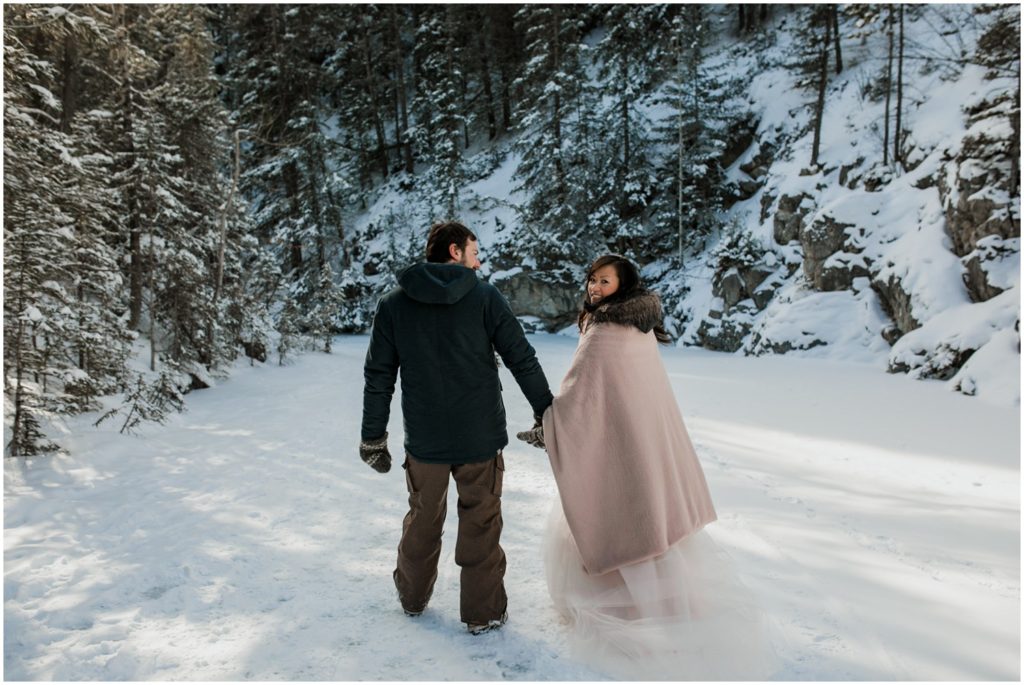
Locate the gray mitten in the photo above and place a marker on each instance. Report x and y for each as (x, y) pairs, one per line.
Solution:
(376, 454)
(534, 436)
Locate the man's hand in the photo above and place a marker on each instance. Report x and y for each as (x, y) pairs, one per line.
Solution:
(375, 453)
(534, 436)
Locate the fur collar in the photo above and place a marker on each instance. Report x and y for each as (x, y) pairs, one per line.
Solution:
(641, 309)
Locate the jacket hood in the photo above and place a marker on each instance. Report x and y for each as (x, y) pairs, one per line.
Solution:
(432, 283)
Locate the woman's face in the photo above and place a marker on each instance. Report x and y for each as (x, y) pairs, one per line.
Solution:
(602, 283)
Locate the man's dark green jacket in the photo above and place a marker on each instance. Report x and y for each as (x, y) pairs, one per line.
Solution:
(441, 327)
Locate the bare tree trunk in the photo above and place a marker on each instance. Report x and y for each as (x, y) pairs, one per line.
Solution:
(506, 94)
(228, 204)
(888, 88)
(69, 87)
(1015, 144)
(291, 185)
(556, 109)
(819, 106)
(372, 94)
(504, 39)
(897, 154)
(450, 22)
(485, 78)
(218, 284)
(681, 149)
(396, 114)
(152, 312)
(506, 98)
(34, 337)
(135, 274)
(69, 104)
(741, 25)
(450, 121)
(295, 258)
(83, 356)
(835, 32)
(42, 376)
(135, 267)
(16, 448)
(695, 111)
(314, 201)
(403, 103)
(626, 151)
(624, 112)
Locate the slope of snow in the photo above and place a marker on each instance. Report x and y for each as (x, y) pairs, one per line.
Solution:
(877, 517)
(900, 227)
(826, 325)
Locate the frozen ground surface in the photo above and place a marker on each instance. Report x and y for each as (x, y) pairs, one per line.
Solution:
(877, 517)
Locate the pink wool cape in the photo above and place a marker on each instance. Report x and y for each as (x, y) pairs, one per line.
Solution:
(628, 476)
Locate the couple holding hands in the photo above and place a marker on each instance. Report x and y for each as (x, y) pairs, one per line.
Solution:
(647, 594)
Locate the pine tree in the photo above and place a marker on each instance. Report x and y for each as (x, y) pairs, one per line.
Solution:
(355, 64)
(39, 236)
(502, 37)
(289, 174)
(148, 399)
(556, 136)
(289, 330)
(151, 179)
(193, 239)
(327, 301)
(700, 101)
(440, 119)
(397, 22)
(476, 29)
(257, 283)
(98, 342)
(751, 17)
(35, 243)
(624, 174)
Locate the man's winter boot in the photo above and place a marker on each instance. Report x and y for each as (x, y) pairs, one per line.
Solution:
(493, 624)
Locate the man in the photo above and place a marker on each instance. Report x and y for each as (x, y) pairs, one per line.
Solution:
(441, 326)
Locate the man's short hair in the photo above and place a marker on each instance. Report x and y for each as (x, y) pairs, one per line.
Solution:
(444, 234)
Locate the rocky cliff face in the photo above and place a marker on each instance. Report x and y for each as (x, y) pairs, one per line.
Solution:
(744, 283)
(982, 211)
(553, 303)
(918, 260)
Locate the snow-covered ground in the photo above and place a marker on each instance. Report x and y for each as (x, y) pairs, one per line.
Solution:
(877, 517)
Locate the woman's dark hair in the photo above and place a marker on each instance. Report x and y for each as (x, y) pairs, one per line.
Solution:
(629, 286)
(444, 234)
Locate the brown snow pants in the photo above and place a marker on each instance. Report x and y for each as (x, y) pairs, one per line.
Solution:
(477, 551)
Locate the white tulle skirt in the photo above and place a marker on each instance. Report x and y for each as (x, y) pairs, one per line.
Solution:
(684, 615)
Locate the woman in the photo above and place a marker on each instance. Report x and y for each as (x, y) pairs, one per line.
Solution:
(647, 592)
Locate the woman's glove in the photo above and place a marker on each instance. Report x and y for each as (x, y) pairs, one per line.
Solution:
(534, 436)
(376, 454)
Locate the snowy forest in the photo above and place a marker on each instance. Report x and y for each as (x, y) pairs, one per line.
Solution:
(191, 186)
(204, 203)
